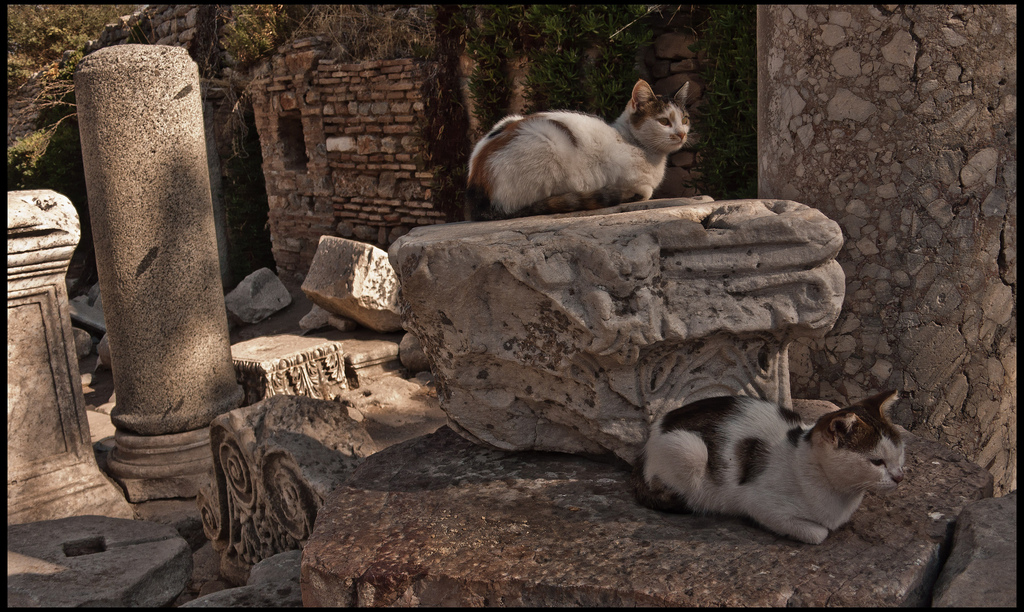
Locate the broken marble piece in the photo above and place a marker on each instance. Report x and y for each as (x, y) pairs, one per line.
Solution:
(51, 469)
(354, 279)
(572, 332)
(95, 561)
(440, 521)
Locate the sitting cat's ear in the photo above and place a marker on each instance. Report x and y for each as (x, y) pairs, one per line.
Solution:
(680, 96)
(642, 94)
(882, 403)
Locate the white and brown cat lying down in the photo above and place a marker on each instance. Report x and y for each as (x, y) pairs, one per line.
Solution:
(563, 161)
(747, 457)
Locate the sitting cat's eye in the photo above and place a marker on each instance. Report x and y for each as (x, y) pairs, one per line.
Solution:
(878, 461)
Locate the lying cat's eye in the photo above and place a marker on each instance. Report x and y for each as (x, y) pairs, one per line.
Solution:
(664, 121)
(878, 461)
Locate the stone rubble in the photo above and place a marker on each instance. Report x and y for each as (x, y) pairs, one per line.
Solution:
(258, 296)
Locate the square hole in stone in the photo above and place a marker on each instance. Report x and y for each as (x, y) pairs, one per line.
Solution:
(87, 546)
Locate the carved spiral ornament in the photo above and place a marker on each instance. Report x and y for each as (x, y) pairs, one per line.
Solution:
(236, 471)
(290, 501)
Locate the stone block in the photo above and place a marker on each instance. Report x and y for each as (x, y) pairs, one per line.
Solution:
(95, 561)
(571, 333)
(439, 521)
(982, 567)
(51, 468)
(287, 364)
(258, 296)
(274, 464)
(354, 279)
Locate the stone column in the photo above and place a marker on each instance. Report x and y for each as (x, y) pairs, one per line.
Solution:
(144, 152)
(900, 123)
(51, 468)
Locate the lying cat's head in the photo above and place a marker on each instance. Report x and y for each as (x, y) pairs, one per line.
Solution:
(659, 123)
(859, 448)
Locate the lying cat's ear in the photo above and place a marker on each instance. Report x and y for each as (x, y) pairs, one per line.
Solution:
(642, 94)
(839, 426)
(680, 96)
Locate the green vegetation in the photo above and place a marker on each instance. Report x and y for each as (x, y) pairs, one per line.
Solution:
(38, 34)
(727, 125)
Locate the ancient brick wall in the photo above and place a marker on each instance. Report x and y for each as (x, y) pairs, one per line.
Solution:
(341, 150)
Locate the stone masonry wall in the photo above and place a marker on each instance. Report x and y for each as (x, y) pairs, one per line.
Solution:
(341, 151)
(899, 122)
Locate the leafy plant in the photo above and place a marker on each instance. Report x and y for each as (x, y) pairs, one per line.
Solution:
(727, 150)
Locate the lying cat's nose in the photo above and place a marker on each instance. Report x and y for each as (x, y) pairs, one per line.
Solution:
(897, 477)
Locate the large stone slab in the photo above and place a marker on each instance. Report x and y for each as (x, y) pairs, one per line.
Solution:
(440, 521)
(355, 280)
(95, 561)
(571, 332)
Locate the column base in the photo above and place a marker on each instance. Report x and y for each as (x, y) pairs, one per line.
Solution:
(160, 467)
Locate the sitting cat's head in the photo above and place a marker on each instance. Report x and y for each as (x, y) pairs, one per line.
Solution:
(859, 448)
(661, 123)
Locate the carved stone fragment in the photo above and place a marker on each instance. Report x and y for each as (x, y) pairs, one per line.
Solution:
(274, 463)
(571, 332)
(288, 364)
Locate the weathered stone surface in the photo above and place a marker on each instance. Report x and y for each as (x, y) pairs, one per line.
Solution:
(982, 568)
(274, 463)
(258, 296)
(904, 133)
(51, 469)
(393, 409)
(441, 521)
(95, 561)
(355, 280)
(287, 364)
(569, 333)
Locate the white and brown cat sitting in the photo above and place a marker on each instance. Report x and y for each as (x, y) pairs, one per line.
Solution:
(563, 161)
(747, 457)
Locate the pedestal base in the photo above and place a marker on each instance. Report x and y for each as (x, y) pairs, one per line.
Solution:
(161, 467)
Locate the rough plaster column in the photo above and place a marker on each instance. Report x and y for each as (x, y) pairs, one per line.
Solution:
(901, 125)
(144, 152)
